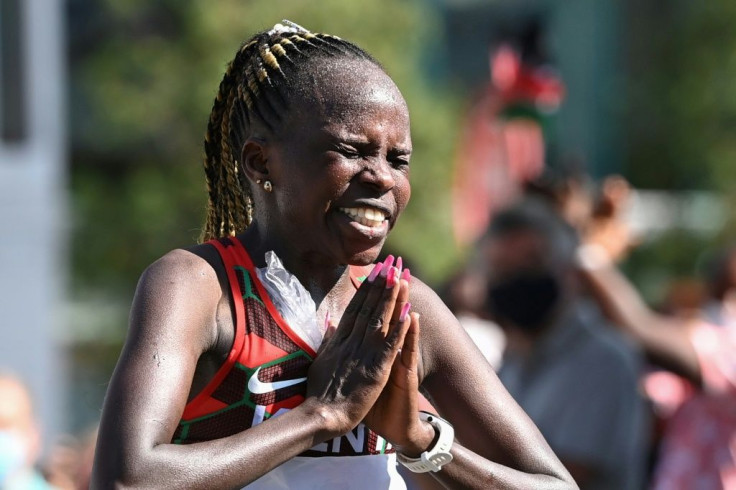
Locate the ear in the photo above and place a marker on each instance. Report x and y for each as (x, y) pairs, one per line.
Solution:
(254, 158)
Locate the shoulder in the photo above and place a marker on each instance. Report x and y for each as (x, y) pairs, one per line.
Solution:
(180, 267)
(442, 340)
(181, 278)
(424, 296)
(431, 308)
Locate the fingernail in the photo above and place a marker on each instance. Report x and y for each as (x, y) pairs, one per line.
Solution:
(399, 264)
(406, 275)
(404, 312)
(391, 278)
(387, 265)
(374, 273)
(327, 320)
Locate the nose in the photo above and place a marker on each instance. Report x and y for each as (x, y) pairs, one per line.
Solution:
(378, 174)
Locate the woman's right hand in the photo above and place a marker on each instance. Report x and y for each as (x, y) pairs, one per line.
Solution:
(354, 363)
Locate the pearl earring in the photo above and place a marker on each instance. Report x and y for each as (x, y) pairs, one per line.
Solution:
(267, 186)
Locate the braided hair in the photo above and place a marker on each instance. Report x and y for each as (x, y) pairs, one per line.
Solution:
(255, 90)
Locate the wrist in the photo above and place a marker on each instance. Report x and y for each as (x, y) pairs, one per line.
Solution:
(329, 423)
(436, 456)
(421, 438)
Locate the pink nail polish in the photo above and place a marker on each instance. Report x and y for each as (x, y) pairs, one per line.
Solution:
(327, 320)
(387, 265)
(399, 264)
(404, 312)
(374, 273)
(406, 275)
(391, 278)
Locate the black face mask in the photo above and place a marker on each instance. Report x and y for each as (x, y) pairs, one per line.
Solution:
(527, 300)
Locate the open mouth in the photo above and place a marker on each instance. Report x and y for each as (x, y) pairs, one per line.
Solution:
(370, 217)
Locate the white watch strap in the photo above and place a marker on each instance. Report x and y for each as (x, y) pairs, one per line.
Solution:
(434, 458)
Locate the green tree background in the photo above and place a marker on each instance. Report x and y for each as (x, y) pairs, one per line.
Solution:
(680, 123)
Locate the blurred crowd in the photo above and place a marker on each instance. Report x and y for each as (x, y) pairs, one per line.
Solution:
(628, 396)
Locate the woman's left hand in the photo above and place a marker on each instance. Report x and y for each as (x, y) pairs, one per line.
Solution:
(395, 414)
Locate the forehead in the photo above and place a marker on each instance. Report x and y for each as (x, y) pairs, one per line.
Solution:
(348, 94)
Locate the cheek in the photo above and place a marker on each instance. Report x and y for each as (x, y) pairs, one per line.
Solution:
(403, 191)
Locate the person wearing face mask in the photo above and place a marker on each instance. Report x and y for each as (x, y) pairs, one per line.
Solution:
(19, 438)
(575, 379)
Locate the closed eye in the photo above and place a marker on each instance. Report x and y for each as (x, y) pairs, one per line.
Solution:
(347, 151)
(399, 159)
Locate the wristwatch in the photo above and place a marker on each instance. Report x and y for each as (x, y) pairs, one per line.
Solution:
(434, 458)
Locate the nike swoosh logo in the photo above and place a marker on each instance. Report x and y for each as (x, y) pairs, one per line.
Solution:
(258, 387)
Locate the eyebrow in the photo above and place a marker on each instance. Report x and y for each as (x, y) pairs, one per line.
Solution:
(400, 151)
(363, 142)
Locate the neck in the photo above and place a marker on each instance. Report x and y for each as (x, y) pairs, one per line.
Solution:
(318, 275)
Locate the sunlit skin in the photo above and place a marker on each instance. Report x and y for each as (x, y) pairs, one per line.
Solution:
(344, 144)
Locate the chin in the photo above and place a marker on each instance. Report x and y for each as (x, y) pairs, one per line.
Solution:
(365, 257)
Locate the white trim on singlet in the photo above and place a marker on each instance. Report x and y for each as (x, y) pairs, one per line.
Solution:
(333, 472)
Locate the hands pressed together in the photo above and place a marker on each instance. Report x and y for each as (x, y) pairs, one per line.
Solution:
(366, 369)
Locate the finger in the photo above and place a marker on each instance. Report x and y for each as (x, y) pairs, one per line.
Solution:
(401, 300)
(395, 339)
(404, 369)
(410, 348)
(367, 313)
(378, 315)
(349, 317)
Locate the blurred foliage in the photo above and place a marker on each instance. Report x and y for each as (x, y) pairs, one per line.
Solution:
(682, 102)
(677, 253)
(143, 78)
(681, 121)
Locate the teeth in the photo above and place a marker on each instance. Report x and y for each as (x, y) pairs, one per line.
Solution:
(366, 216)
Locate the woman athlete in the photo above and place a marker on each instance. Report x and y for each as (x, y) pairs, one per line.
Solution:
(307, 165)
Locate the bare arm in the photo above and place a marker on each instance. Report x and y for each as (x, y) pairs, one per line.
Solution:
(497, 445)
(665, 339)
(172, 324)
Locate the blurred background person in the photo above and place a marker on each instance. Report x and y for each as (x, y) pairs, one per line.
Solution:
(720, 274)
(575, 379)
(465, 294)
(697, 448)
(20, 440)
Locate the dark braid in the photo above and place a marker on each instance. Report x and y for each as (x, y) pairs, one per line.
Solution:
(255, 89)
